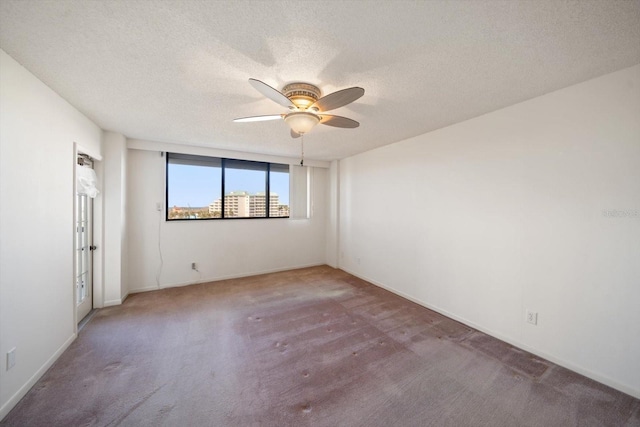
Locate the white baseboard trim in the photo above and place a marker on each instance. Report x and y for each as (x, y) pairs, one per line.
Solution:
(13, 400)
(113, 302)
(219, 278)
(558, 361)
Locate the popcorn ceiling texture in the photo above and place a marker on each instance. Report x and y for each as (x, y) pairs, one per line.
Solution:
(177, 71)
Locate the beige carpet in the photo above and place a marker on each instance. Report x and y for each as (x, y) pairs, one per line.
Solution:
(309, 347)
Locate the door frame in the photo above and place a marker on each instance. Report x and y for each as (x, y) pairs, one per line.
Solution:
(97, 291)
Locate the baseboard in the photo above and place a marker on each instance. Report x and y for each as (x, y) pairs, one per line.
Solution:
(113, 302)
(218, 278)
(13, 400)
(558, 361)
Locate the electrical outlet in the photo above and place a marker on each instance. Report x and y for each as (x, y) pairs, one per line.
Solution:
(532, 317)
(11, 358)
(159, 206)
(194, 266)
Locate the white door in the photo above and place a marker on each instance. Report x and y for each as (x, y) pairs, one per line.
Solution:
(84, 250)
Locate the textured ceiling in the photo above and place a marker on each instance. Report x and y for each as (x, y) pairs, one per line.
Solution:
(177, 71)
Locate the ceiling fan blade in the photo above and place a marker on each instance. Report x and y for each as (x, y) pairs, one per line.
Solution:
(338, 99)
(259, 118)
(271, 93)
(338, 121)
(295, 134)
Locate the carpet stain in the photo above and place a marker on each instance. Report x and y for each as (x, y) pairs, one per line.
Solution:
(166, 409)
(88, 421)
(112, 367)
(141, 402)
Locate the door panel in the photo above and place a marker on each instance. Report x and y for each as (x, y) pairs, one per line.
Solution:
(84, 252)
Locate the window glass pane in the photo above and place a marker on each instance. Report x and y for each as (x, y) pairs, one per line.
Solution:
(192, 189)
(245, 189)
(245, 165)
(279, 191)
(193, 160)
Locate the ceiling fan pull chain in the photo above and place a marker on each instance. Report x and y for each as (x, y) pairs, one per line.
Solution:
(302, 150)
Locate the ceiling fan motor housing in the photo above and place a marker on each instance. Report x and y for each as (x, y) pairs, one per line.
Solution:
(303, 95)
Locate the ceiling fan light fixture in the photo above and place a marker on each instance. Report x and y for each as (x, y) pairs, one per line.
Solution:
(306, 107)
(301, 121)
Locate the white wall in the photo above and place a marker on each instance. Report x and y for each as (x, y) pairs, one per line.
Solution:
(115, 223)
(222, 249)
(37, 134)
(333, 210)
(511, 211)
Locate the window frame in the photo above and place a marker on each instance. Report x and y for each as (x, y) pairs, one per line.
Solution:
(223, 164)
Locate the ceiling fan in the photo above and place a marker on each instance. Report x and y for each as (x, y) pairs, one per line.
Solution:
(306, 107)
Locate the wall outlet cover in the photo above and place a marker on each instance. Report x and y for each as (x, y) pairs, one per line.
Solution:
(11, 358)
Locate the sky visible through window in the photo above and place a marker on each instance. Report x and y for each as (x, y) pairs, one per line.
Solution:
(198, 186)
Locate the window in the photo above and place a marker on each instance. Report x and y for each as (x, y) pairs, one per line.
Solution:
(279, 190)
(195, 185)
